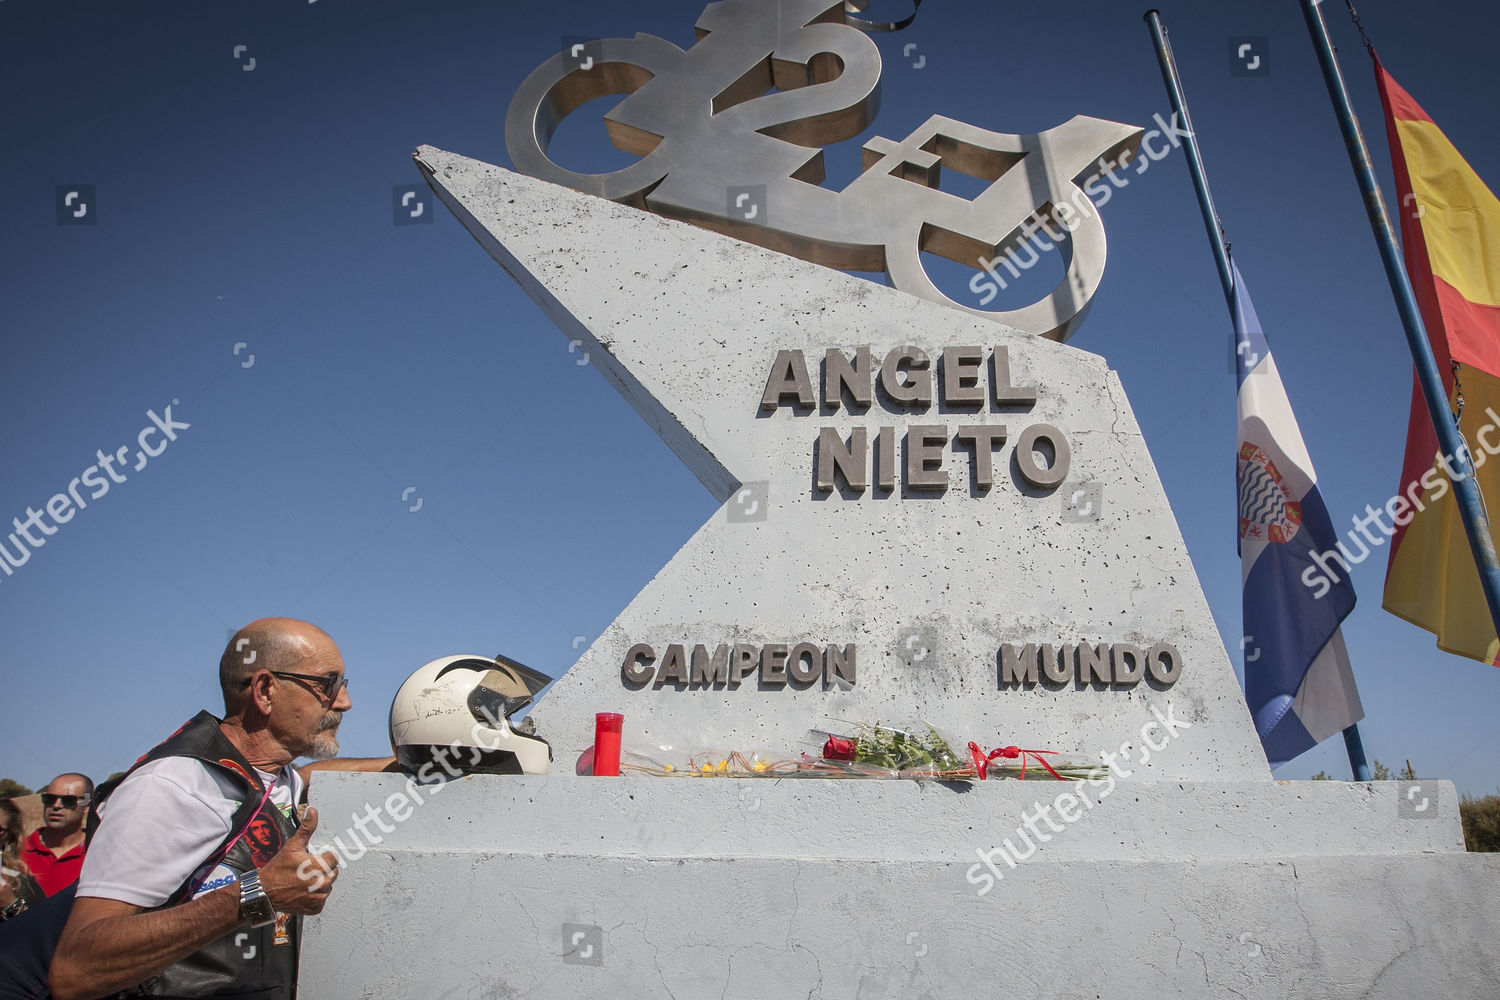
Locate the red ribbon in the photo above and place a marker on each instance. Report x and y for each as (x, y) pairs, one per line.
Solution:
(982, 762)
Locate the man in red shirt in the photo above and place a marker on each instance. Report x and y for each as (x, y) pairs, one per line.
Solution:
(54, 851)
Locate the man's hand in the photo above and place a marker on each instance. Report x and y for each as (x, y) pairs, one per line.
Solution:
(296, 880)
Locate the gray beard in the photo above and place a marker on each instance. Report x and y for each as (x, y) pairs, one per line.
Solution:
(323, 746)
(326, 743)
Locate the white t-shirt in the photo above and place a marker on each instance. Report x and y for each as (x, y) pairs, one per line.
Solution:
(162, 824)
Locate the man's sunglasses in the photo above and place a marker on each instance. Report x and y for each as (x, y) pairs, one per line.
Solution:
(329, 684)
(68, 801)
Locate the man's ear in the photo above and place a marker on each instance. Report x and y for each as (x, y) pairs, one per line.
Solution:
(260, 693)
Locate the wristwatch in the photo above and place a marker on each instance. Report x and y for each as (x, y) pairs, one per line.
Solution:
(255, 905)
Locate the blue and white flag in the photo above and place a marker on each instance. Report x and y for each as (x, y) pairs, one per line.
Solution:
(1298, 681)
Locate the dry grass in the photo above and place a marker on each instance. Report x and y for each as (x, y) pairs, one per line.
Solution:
(1481, 818)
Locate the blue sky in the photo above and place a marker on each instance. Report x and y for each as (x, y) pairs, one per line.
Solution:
(391, 364)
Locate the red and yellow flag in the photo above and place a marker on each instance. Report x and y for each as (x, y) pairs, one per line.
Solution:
(1450, 233)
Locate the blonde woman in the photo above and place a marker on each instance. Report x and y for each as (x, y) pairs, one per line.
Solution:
(18, 889)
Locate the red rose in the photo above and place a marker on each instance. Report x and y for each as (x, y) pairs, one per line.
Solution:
(838, 748)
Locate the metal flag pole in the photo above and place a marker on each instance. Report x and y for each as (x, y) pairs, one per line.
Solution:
(1355, 747)
(1465, 489)
(1352, 743)
(1194, 157)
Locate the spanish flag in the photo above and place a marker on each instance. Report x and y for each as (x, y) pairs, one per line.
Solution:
(1450, 233)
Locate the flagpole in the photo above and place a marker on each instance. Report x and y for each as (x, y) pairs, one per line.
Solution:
(1352, 742)
(1465, 489)
(1355, 747)
(1194, 157)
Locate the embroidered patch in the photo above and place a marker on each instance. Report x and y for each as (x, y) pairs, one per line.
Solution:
(207, 879)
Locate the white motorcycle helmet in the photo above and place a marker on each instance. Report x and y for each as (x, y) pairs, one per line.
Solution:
(454, 714)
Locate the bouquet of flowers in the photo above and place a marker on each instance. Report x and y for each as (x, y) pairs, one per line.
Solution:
(914, 752)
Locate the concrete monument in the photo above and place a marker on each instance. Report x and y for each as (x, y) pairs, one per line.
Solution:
(926, 515)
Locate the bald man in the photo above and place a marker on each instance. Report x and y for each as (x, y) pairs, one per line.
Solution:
(170, 903)
(54, 851)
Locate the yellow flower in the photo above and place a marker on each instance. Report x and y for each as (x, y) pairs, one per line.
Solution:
(668, 768)
(759, 765)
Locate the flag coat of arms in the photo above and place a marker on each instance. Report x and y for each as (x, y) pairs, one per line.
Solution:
(1298, 681)
(1450, 235)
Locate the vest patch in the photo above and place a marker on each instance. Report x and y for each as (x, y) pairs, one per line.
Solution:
(207, 879)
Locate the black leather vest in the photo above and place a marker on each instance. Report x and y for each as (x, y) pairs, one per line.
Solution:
(248, 963)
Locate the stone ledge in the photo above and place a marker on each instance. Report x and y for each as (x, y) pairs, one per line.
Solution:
(563, 814)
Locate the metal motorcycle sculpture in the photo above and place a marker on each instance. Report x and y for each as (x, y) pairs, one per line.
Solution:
(720, 148)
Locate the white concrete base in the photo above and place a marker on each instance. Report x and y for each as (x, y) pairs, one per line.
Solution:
(864, 889)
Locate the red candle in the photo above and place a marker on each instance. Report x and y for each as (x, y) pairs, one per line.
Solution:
(607, 726)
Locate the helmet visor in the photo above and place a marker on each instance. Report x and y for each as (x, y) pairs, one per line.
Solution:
(532, 680)
(498, 695)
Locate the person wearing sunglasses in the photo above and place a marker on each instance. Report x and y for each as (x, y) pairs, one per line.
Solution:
(54, 851)
(199, 872)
